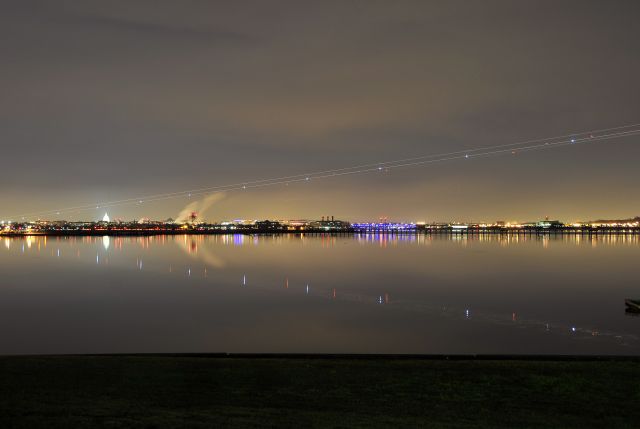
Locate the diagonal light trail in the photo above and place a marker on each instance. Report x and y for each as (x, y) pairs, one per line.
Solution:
(584, 137)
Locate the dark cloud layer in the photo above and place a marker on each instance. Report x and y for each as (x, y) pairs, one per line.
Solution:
(107, 100)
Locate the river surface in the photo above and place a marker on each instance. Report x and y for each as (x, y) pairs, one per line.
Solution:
(319, 294)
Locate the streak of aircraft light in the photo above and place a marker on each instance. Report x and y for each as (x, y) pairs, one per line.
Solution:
(486, 151)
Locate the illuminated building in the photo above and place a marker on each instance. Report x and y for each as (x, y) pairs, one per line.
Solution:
(549, 224)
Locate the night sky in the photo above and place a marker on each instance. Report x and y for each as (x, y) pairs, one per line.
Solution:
(103, 100)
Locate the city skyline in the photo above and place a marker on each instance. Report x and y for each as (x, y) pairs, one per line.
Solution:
(328, 222)
(106, 217)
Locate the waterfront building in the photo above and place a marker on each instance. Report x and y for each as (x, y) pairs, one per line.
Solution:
(268, 225)
(549, 224)
(331, 224)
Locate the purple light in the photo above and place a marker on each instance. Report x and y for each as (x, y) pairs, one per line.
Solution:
(365, 226)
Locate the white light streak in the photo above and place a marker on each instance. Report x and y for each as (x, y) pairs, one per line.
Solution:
(591, 136)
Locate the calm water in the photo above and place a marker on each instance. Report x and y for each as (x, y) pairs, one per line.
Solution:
(348, 294)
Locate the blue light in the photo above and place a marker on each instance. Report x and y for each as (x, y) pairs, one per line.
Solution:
(383, 226)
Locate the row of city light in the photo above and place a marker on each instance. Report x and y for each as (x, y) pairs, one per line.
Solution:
(41, 226)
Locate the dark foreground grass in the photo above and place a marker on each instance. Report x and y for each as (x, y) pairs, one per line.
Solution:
(184, 391)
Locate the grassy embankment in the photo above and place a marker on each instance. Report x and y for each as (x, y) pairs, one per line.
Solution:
(186, 391)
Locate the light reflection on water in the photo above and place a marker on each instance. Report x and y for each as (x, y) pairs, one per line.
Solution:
(369, 293)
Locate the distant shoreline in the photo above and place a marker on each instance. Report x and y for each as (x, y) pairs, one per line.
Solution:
(250, 231)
